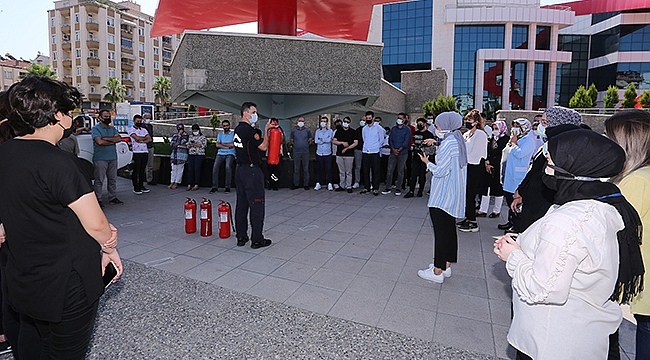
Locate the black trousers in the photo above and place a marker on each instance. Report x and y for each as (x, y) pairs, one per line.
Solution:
(512, 216)
(67, 339)
(445, 247)
(475, 175)
(138, 176)
(371, 162)
(418, 174)
(250, 199)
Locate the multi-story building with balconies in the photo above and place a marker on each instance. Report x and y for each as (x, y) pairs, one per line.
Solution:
(91, 41)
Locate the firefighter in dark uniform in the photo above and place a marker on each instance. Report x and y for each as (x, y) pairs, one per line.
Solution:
(249, 177)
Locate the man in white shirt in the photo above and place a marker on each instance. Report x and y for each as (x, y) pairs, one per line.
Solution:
(373, 138)
(139, 137)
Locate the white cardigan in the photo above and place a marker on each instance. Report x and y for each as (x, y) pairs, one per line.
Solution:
(562, 280)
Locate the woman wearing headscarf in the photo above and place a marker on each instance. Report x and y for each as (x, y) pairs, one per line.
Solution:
(631, 130)
(535, 197)
(564, 266)
(522, 148)
(196, 148)
(493, 187)
(447, 195)
(178, 156)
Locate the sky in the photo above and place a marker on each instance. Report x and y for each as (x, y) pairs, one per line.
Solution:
(29, 19)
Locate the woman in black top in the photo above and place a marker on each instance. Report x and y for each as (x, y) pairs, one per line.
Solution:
(57, 239)
(493, 185)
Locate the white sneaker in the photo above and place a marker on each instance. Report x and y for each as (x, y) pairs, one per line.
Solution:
(356, 185)
(428, 274)
(317, 187)
(398, 193)
(330, 187)
(446, 273)
(336, 186)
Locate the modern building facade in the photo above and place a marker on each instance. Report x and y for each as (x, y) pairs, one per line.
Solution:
(498, 54)
(610, 42)
(13, 69)
(91, 41)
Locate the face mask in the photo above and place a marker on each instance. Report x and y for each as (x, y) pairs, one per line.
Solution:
(138, 125)
(541, 131)
(346, 125)
(362, 123)
(301, 123)
(368, 122)
(515, 131)
(441, 134)
(106, 121)
(429, 121)
(420, 127)
(66, 132)
(253, 119)
(400, 122)
(469, 125)
(147, 121)
(550, 181)
(195, 133)
(323, 124)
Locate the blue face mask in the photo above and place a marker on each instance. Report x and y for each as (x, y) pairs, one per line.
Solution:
(253, 119)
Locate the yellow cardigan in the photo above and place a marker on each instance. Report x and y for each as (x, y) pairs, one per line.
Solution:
(636, 189)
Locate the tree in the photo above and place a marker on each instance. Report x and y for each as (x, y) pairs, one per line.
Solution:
(215, 121)
(439, 105)
(162, 90)
(629, 97)
(611, 97)
(645, 99)
(593, 94)
(115, 91)
(580, 99)
(39, 70)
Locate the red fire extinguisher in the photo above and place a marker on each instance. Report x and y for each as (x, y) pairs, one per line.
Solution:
(275, 143)
(225, 219)
(206, 217)
(190, 216)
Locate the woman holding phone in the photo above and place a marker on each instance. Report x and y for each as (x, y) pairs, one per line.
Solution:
(57, 240)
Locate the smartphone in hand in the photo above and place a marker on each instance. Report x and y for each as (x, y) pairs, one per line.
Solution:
(110, 272)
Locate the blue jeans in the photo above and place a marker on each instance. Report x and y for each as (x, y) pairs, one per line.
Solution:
(194, 163)
(324, 163)
(642, 336)
(228, 159)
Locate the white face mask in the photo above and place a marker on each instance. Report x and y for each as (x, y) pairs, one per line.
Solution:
(346, 125)
(541, 131)
(253, 118)
(441, 134)
(147, 121)
(301, 123)
(323, 124)
(515, 131)
(195, 133)
(429, 121)
(362, 123)
(400, 121)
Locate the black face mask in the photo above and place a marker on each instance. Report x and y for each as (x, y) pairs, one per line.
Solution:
(368, 122)
(550, 181)
(138, 125)
(420, 127)
(66, 132)
(106, 121)
(469, 125)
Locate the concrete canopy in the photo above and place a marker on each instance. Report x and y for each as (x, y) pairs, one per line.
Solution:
(337, 19)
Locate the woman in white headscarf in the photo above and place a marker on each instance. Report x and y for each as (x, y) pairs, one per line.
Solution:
(493, 186)
(447, 195)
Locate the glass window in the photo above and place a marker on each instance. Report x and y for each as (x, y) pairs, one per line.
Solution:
(141, 61)
(518, 86)
(111, 55)
(492, 87)
(76, 18)
(167, 54)
(8, 74)
(141, 31)
(77, 53)
(155, 51)
(93, 89)
(111, 72)
(53, 55)
(635, 38)
(605, 42)
(110, 21)
(110, 39)
(127, 43)
(52, 22)
(520, 36)
(91, 72)
(53, 39)
(77, 35)
(142, 78)
(156, 65)
(141, 47)
(78, 70)
(543, 39)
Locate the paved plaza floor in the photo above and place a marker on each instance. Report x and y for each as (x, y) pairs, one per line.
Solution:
(339, 282)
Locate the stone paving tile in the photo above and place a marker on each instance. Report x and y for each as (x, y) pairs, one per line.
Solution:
(345, 263)
(466, 333)
(295, 271)
(465, 306)
(274, 288)
(331, 279)
(358, 307)
(238, 280)
(313, 298)
(414, 322)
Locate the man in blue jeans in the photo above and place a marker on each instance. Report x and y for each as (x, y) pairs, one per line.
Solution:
(225, 153)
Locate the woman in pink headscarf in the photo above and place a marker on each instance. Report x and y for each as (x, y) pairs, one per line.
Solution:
(493, 187)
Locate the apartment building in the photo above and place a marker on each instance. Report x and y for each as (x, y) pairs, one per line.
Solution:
(12, 69)
(91, 41)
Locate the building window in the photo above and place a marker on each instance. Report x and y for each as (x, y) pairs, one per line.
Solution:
(110, 39)
(76, 18)
(111, 55)
(77, 53)
(92, 89)
(492, 86)
(53, 55)
(111, 72)
(156, 51)
(8, 74)
(92, 54)
(52, 22)
(520, 36)
(91, 72)
(156, 65)
(141, 47)
(110, 21)
(141, 31)
(141, 61)
(142, 78)
(53, 39)
(91, 36)
(635, 38)
(127, 43)
(167, 54)
(78, 70)
(143, 92)
(77, 35)
(518, 72)
(540, 86)
(570, 76)
(543, 39)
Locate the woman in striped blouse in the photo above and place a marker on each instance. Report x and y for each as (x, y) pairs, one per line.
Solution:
(447, 195)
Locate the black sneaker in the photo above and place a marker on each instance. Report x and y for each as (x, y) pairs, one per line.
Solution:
(144, 190)
(263, 243)
(505, 226)
(242, 242)
(375, 192)
(114, 201)
(364, 191)
(227, 191)
(214, 190)
(408, 195)
(339, 189)
(468, 226)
